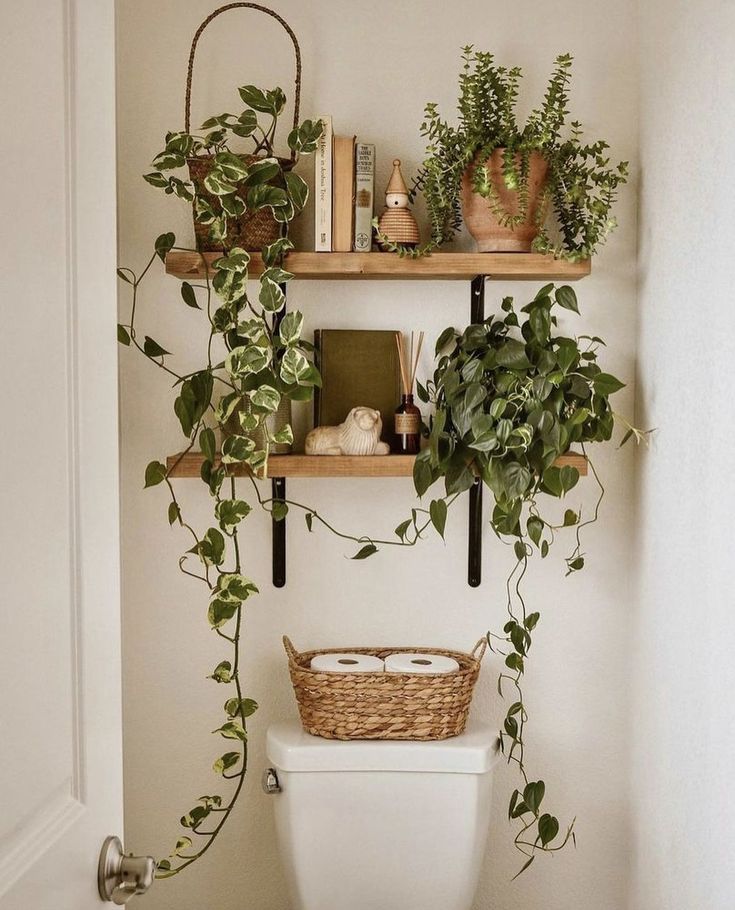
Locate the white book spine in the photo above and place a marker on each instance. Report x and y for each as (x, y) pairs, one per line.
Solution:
(323, 187)
(364, 196)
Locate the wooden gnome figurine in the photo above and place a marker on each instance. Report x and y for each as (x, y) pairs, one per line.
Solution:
(397, 223)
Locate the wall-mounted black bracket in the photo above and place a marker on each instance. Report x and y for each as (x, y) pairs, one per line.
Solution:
(474, 554)
(278, 494)
(474, 543)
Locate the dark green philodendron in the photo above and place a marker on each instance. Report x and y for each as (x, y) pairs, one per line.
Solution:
(582, 183)
(510, 397)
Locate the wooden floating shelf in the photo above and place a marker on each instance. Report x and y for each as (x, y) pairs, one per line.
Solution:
(189, 465)
(499, 266)
(472, 267)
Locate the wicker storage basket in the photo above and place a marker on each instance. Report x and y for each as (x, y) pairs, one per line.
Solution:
(384, 705)
(252, 230)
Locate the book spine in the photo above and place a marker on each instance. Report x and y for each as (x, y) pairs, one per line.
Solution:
(343, 193)
(323, 187)
(364, 196)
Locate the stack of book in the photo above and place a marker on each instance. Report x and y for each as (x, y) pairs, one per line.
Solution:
(344, 191)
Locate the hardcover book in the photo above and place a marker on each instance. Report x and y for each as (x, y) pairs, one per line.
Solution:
(323, 189)
(358, 367)
(343, 193)
(364, 196)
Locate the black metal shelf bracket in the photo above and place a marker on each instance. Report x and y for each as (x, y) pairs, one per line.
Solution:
(474, 555)
(278, 494)
(474, 540)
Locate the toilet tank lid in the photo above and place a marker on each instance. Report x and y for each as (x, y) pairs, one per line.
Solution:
(475, 751)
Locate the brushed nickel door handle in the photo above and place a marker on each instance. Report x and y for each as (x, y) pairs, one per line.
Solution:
(121, 876)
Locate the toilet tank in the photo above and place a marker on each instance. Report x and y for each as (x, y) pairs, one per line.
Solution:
(369, 824)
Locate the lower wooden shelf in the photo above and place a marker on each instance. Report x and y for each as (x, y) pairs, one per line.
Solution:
(280, 467)
(189, 465)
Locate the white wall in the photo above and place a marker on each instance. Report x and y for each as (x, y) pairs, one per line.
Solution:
(373, 66)
(683, 718)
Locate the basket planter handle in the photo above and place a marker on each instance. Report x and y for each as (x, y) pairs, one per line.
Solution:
(290, 650)
(192, 52)
(478, 652)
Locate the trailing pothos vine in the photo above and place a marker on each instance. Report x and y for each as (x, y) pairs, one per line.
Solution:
(256, 368)
(254, 356)
(509, 398)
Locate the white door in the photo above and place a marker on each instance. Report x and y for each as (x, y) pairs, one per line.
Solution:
(60, 718)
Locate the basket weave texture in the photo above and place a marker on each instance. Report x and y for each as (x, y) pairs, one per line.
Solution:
(252, 230)
(384, 705)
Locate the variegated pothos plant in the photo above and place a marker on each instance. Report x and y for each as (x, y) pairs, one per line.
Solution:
(508, 397)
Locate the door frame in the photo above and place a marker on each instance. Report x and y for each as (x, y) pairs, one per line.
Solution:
(66, 835)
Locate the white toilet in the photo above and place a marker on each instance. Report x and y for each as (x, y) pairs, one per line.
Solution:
(381, 825)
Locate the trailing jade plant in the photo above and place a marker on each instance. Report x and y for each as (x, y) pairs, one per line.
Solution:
(582, 183)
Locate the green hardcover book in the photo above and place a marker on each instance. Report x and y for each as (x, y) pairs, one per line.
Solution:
(358, 367)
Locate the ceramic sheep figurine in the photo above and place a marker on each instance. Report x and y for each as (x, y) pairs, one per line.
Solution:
(358, 435)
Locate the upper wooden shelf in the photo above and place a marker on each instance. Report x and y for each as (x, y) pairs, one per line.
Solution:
(189, 465)
(500, 266)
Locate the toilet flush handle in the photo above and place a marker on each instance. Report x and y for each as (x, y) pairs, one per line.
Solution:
(270, 781)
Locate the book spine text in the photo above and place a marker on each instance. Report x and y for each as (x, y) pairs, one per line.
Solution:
(364, 196)
(323, 190)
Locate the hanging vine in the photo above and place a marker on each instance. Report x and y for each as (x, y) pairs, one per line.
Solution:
(508, 397)
(214, 558)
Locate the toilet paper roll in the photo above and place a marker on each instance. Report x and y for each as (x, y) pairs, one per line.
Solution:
(420, 663)
(347, 663)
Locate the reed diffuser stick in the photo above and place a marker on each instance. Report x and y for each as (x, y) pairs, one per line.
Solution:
(408, 365)
(401, 363)
(418, 354)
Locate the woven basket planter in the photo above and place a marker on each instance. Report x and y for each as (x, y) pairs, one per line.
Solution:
(252, 230)
(384, 705)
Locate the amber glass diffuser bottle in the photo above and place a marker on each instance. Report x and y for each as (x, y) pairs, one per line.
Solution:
(407, 423)
(408, 427)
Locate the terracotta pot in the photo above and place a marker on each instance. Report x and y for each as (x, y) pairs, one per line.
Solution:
(488, 233)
